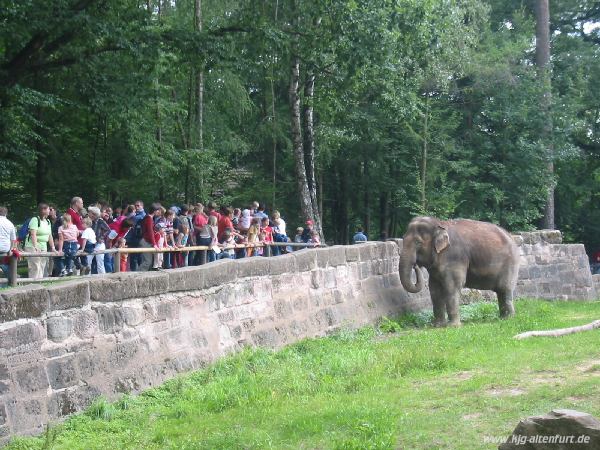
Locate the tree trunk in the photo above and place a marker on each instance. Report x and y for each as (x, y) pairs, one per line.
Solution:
(309, 150)
(306, 206)
(367, 198)
(542, 56)
(199, 144)
(425, 150)
(274, 120)
(384, 215)
(298, 147)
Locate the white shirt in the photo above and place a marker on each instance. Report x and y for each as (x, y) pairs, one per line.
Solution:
(89, 235)
(8, 234)
(281, 226)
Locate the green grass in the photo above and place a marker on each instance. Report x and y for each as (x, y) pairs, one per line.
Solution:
(416, 388)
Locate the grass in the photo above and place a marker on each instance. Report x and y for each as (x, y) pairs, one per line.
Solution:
(399, 385)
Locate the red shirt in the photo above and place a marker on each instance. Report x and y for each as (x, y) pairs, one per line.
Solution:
(224, 222)
(216, 214)
(76, 219)
(148, 229)
(200, 220)
(268, 233)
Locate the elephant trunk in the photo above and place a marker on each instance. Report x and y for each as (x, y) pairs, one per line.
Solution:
(407, 262)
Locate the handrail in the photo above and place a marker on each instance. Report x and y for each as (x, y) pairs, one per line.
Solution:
(13, 258)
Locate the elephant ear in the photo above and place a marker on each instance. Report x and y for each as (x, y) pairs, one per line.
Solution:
(442, 240)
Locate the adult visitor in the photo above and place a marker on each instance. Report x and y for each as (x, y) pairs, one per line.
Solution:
(39, 239)
(360, 236)
(8, 241)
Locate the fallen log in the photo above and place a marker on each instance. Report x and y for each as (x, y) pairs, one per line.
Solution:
(560, 331)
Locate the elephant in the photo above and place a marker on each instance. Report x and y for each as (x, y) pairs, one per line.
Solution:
(459, 253)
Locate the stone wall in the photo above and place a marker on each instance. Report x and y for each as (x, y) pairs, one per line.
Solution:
(552, 270)
(63, 345)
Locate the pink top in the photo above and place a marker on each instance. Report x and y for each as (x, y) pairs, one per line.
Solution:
(69, 234)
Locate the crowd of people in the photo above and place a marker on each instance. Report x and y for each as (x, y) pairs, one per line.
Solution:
(99, 227)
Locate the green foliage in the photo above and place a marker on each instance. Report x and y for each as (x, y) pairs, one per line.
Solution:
(421, 107)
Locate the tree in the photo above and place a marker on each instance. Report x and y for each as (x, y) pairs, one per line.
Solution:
(542, 56)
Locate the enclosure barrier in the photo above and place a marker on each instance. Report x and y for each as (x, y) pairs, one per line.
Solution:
(14, 258)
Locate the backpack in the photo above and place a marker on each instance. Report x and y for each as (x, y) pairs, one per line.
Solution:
(137, 233)
(24, 229)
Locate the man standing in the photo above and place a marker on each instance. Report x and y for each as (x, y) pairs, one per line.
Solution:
(73, 211)
(133, 238)
(360, 236)
(148, 237)
(8, 241)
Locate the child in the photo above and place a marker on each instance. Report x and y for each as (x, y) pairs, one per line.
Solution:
(315, 239)
(169, 238)
(228, 240)
(259, 251)
(159, 236)
(67, 242)
(298, 237)
(88, 244)
(265, 227)
(253, 235)
(183, 234)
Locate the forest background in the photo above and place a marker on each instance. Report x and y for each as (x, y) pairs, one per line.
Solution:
(353, 112)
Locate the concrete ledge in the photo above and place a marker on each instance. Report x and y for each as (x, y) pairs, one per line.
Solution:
(24, 302)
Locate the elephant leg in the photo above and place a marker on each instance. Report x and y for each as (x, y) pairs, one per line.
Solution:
(439, 303)
(452, 285)
(505, 303)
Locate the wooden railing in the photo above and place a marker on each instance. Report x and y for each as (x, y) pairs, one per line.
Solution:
(203, 249)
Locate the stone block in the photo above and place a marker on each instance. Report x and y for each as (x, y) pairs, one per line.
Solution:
(220, 272)
(85, 323)
(133, 315)
(72, 294)
(337, 255)
(329, 278)
(283, 309)
(366, 252)
(523, 273)
(279, 265)
(266, 338)
(316, 279)
(71, 400)
(62, 372)
(251, 267)
(352, 253)
(59, 328)
(161, 310)
(186, 279)
(123, 353)
(322, 255)
(32, 379)
(2, 414)
(21, 335)
(23, 302)
(148, 284)
(113, 287)
(88, 364)
(306, 260)
(110, 319)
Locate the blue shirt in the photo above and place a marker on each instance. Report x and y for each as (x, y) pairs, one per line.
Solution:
(359, 237)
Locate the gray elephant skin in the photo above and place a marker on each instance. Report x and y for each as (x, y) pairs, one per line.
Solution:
(457, 254)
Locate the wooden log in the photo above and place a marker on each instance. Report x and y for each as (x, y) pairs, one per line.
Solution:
(12, 270)
(559, 331)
